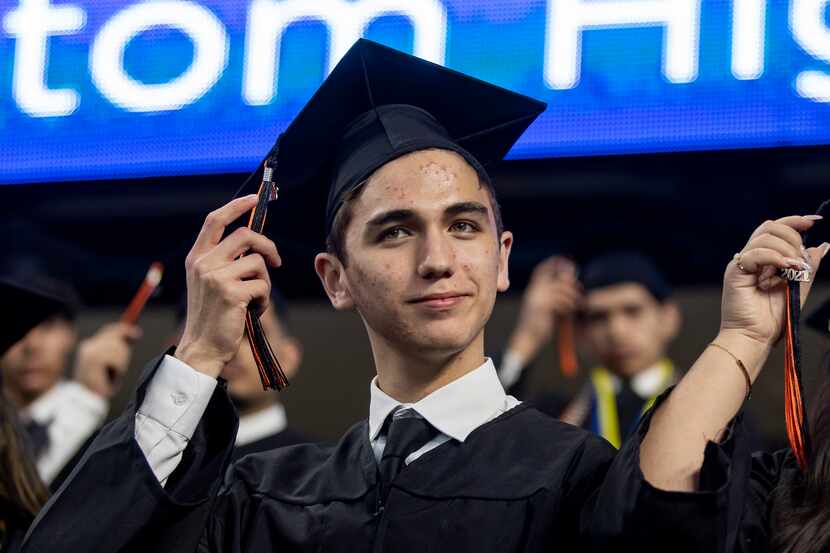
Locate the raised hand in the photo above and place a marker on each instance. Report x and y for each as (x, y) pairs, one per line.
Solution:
(103, 358)
(715, 387)
(221, 285)
(754, 301)
(553, 291)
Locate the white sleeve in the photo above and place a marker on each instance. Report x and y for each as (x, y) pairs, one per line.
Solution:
(176, 399)
(74, 414)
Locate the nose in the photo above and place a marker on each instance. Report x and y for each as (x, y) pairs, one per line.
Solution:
(32, 340)
(437, 256)
(617, 328)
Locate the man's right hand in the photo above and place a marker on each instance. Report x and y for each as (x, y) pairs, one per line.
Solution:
(553, 291)
(221, 285)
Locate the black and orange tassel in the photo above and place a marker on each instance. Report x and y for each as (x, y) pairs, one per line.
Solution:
(566, 345)
(795, 411)
(270, 371)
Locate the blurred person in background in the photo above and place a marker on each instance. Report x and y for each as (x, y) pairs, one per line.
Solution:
(627, 319)
(61, 411)
(22, 493)
(263, 422)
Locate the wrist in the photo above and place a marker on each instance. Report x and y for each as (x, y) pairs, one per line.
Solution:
(199, 358)
(751, 351)
(524, 344)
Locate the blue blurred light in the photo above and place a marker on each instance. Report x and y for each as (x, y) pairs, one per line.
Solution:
(93, 89)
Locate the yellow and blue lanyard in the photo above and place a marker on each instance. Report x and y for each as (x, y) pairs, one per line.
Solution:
(604, 418)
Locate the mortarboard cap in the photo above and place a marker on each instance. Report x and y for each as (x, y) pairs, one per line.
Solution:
(379, 104)
(26, 304)
(623, 267)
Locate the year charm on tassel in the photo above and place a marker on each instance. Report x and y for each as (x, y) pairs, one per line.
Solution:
(795, 275)
(795, 411)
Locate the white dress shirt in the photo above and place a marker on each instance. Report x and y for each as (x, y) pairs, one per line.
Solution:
(178, 395)
(646, 383)
(71, 413)
(455, 410)
(262, 424)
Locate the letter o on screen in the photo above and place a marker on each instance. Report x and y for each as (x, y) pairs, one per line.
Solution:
(210, 55)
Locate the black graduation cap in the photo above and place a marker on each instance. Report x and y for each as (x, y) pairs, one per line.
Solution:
(625, 266)
(25, 305)
(379, 104)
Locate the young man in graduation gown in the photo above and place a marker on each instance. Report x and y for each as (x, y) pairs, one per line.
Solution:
(446, 460)
(61, 414)
(627, 319)
(263, 421)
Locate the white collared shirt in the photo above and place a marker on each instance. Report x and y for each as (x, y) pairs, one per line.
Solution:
(649, 383)
(455, 410)
(71, 413)
(646, 383)
(262, 424)
(178, 395)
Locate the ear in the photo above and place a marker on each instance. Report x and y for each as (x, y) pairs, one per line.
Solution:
(672, 319)
(505, 244)
(333, 277)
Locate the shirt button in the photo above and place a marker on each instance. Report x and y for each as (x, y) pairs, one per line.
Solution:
(179, 398)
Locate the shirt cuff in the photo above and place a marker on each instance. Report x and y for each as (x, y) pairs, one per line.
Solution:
(177, 397)
(512, 366)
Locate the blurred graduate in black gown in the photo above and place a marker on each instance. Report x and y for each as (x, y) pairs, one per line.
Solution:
(22, 493)
(62, 402)
(263, 420)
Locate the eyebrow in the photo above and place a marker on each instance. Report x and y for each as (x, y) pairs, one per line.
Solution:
(398, 215)
(392, 216)
(467, 207)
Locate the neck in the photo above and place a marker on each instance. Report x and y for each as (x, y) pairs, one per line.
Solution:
(411, 376)
(628, 373)
(20, 399)
(247, 407)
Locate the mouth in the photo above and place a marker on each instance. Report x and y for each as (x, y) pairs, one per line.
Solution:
(623, 355)
(440, 301)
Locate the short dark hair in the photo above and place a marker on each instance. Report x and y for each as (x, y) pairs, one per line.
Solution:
(336, 240)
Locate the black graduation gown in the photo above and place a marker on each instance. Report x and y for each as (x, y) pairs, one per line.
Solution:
(753, 496)
(522, 482)
(285, 437)
(14, 525)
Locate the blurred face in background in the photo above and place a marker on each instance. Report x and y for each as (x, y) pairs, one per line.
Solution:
(244, 383)
(627, 328)
(36, 363)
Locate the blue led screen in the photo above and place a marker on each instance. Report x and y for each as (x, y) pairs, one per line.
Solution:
(93, 89)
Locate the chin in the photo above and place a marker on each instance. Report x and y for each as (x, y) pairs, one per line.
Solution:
(629, 368)
(443, 340)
